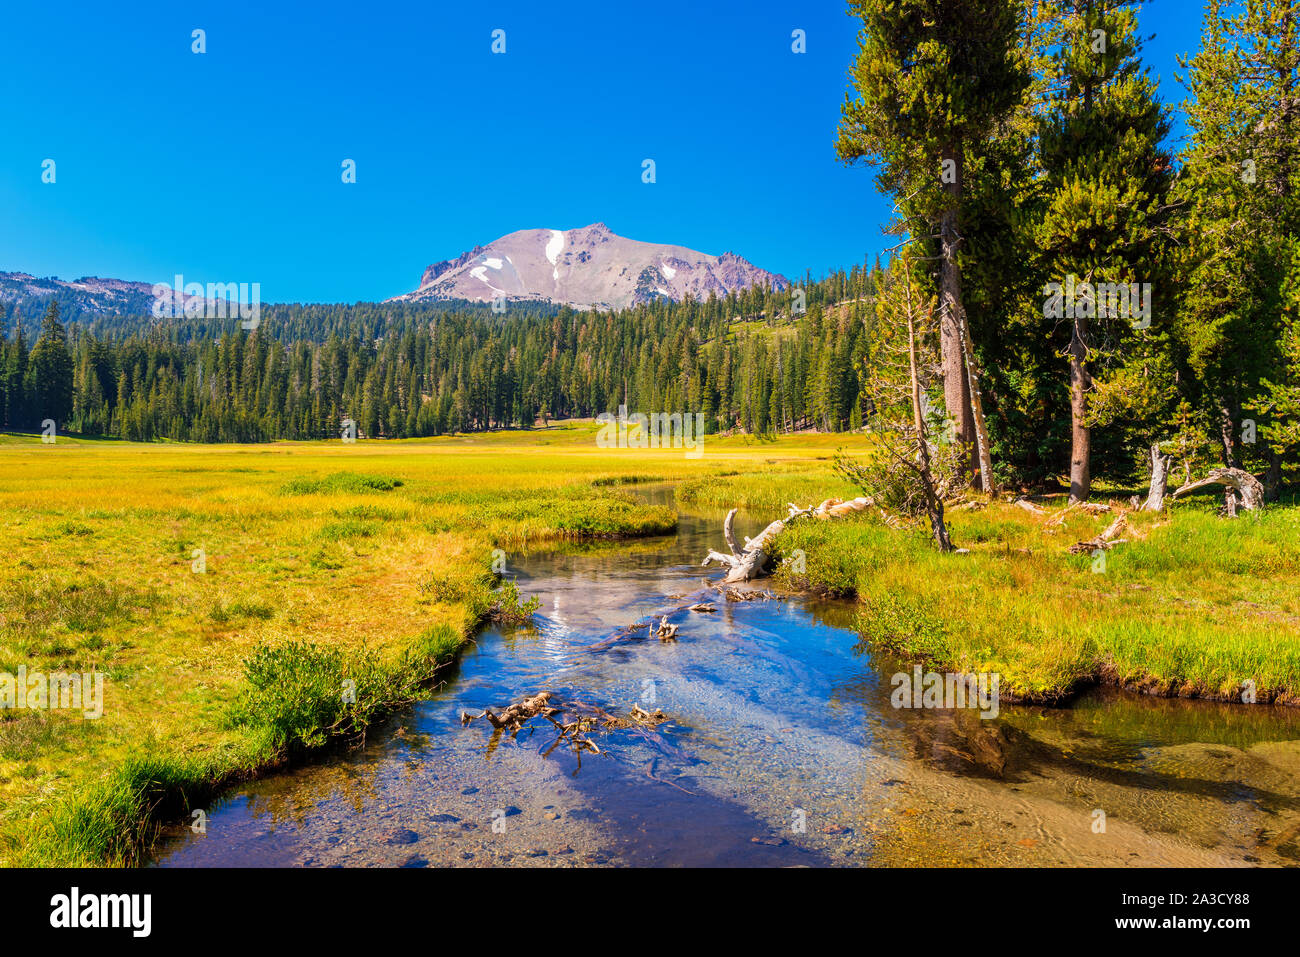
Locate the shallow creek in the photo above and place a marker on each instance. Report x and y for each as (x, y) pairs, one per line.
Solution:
(782, 749)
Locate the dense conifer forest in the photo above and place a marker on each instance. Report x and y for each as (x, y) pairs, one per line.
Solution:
(1038, 179)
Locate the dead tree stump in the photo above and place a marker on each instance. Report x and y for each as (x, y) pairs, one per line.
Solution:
(1159, 480)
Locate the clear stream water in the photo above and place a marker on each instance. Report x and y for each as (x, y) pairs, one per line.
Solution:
(782, 749)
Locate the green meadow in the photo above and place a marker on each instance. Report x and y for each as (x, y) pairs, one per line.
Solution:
(1190, 604)
(228, 592)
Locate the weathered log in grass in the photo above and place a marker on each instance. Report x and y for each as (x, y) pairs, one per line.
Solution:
(752, 561)
(1091, 508)
(1240, 489)
(1107, 539)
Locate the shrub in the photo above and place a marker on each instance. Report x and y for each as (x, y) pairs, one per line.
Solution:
(340, 482)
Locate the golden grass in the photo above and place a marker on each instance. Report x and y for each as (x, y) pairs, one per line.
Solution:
(323, 542)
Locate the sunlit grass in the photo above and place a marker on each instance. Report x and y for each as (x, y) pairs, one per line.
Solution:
(169, 567)
(1191, 604)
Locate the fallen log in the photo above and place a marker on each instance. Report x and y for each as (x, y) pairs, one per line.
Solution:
(1059, 517)
(1092, 508)
(1238, 484)
(1108, 538)
(834, 508)
(751, 562)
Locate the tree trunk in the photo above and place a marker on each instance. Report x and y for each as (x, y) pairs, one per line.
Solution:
(984, 456)
(933, 504)
(1273, 477)
(1080, 435)
(952, 317)
(1227, 436)
(1159, 480)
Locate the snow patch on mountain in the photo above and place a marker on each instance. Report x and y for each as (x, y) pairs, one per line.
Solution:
(586, 268)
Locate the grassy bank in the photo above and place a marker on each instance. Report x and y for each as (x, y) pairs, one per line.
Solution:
(1191, 605)
(227, 593)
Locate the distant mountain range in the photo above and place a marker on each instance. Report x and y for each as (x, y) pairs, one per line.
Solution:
(584, 268)
(89, 295)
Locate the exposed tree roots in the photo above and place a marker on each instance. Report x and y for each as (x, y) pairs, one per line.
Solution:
(575, 720)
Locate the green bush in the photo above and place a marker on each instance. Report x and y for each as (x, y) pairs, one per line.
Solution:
(902, 622)
(340, 482)
(303, 694)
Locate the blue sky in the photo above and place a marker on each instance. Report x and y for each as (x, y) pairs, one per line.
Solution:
(226, 166)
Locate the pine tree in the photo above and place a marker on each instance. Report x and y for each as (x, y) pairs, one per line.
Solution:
(51, 371)
(14, 375)
(1107, 179)
(933, 78)
(1240, 187)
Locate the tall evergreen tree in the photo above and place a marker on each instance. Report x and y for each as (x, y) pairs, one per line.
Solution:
(13, 378)
(932, 80)
(1240, 188)
(1107, 179)
(51, 371)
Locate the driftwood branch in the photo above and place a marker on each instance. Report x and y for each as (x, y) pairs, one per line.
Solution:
(665, 631)
(751, 562)
(517, 715)
(584, 720)
(728, 532)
